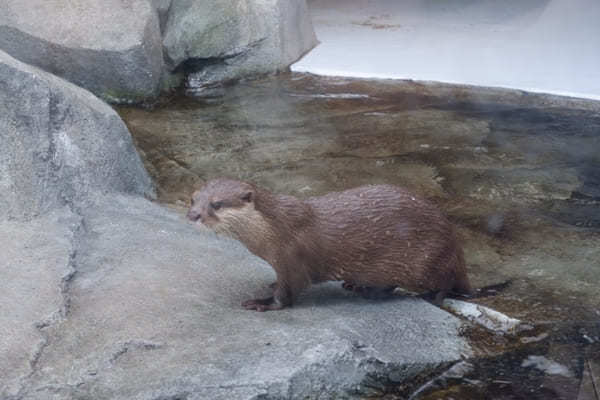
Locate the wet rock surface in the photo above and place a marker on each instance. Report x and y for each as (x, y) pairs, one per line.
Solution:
(516, 172)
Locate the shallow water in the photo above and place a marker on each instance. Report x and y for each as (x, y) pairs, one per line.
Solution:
(519, 174)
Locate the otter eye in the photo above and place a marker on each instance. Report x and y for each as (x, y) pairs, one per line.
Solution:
(247, 197)
(216, 205)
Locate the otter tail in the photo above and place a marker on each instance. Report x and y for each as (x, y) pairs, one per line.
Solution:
(461, 284)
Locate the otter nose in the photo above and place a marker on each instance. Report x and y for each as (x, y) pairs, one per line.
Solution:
(194, 215)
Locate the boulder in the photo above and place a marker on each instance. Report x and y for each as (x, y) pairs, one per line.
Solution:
(110, 47)
(232, 39)
(60, 144)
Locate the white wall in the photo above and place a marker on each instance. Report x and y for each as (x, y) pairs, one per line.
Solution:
(550, 46)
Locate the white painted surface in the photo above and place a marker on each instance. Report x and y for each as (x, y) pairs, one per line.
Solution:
(550, 46)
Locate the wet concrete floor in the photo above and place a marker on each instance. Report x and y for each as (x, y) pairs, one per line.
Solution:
(518, 173)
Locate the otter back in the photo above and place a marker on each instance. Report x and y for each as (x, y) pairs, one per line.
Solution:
(383, 236)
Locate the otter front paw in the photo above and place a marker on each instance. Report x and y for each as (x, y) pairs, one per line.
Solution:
(262, 304)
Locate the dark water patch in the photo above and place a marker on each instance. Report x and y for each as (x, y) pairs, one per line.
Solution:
(529, 120)
(590, 177)
(550, 365)
(569, 137)
(577, 212)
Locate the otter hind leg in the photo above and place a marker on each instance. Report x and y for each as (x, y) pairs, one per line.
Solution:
(435, 297)
(438, 300)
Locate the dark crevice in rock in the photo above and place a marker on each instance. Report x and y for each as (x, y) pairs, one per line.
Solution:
(56, 122)
(163, 19)
(201, 72)
(78, 232)
(196, 64)
(248, 48)
(134, 344)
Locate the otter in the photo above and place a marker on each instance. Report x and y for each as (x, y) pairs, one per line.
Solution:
(377, 236)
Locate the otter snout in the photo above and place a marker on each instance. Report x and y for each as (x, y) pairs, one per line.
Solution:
(194, 215)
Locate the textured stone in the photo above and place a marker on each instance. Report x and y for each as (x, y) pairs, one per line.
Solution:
(110, 47)
(232, 39)
(60, 144)
(154, 313)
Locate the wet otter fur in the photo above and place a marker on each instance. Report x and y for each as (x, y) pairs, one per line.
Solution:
(379, 236)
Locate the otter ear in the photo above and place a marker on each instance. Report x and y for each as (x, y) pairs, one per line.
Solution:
(248, 197)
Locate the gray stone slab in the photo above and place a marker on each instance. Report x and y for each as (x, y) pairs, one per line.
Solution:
(155, 313)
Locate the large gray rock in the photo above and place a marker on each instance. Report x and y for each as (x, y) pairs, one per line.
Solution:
(151, 310)
(111, 47)
(60, 144)
(236, 38)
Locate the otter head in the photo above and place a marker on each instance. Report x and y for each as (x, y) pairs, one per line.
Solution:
(223, 205)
